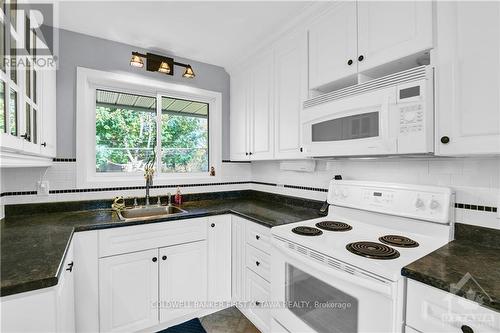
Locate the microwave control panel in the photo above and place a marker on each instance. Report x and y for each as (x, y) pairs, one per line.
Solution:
(411, 118)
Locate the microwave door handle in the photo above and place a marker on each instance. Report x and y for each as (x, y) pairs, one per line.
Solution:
(368, 283)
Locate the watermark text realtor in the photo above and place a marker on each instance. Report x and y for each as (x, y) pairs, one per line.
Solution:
(30, 36)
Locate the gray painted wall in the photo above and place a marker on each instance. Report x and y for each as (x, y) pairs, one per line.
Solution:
(86, 51)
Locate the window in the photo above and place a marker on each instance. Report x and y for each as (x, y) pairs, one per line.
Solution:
(126, 133)
(129, 121)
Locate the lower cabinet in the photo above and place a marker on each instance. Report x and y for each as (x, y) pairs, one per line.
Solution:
(128, 291)
(257, 294)
(429, 310)
(142, 289)
(183, 279)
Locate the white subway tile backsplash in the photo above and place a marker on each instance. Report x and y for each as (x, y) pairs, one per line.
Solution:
(475, 180)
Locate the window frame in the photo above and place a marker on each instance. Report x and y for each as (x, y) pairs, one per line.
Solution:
(89, 80)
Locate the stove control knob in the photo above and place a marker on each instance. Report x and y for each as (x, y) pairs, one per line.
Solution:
(434, 204)
(419, 203)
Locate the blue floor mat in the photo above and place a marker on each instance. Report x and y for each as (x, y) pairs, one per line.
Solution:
(190, 326)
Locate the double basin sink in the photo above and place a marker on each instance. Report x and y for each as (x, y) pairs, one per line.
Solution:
(148, 213)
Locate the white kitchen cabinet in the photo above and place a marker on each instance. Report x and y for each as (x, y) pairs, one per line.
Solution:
(66, 294)
(391, 30)
(252, 111)
(219, 258)
(432, 310)
(258, 294)
(354, 37)
(183, 279)
(261, 106)
(290, 90)
(333, 45)
(128, 291)
(468, 78)
(238, 258)
(239, 129)
(48, 136)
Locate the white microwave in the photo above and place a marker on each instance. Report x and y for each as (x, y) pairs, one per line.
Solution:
(387, 116)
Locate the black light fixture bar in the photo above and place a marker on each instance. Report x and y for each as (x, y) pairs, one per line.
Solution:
(159, 63)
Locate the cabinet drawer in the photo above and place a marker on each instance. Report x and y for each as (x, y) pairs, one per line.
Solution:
(259, 236)
(258, 291)
(136, 238)
(258, 261)
(433, 310)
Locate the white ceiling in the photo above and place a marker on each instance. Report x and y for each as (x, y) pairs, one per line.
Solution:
(213, 32)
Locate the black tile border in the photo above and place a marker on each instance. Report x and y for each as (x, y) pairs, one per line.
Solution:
(476, 207)
(458, 205)
(229, 161)
(59, 159)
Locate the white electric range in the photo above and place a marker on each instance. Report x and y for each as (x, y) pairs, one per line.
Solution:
(342, 273)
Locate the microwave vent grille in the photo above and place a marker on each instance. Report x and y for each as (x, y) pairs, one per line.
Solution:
(414, 74)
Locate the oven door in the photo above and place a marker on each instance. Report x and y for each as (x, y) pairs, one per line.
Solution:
(358, 125)
(314, 297)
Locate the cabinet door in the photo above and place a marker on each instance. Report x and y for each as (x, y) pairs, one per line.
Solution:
(219, 258)
(290, 90)
(47, 110)
(183, 279)
(128, 291)
(468, 78)
(238, 258)
(332, 43)
(261, 130)
(66, 295)
(257, 293)
(391, 30)
(239, 117)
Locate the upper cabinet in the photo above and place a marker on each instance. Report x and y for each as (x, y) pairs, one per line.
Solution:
(333, 45)
(392, 30)
(290, 90)
(468, 78)
(266, 99)
(27, 96)
(354, 37)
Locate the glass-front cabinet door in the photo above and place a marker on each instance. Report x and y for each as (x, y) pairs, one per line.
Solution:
(19, 82)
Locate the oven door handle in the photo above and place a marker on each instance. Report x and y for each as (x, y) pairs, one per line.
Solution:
(367, 282)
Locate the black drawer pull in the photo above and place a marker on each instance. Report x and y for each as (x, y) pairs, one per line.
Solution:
(212, 225)
(154, 259)
(164, 258)
(257, 237)
(257, 303)
(257, 263)
(445, 139)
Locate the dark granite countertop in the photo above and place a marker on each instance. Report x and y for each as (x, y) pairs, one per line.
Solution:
(469, 266)
(33, 243)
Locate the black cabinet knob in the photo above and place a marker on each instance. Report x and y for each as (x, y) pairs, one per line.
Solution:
(257, 263)
(361, 57)
(466, 329)
(349, 62)
(301, 149)
(257, 303)
(164, 258)
(250, 153)
(70, 267)
(44, 144)
(26, 136)
(445, 139)
(257, 237)
(212, 225)
(246, 154)
(154, 259)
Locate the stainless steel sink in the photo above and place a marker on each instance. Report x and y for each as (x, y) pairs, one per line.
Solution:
(148, 212)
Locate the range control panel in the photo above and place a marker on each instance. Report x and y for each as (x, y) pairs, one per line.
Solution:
(429, 203)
